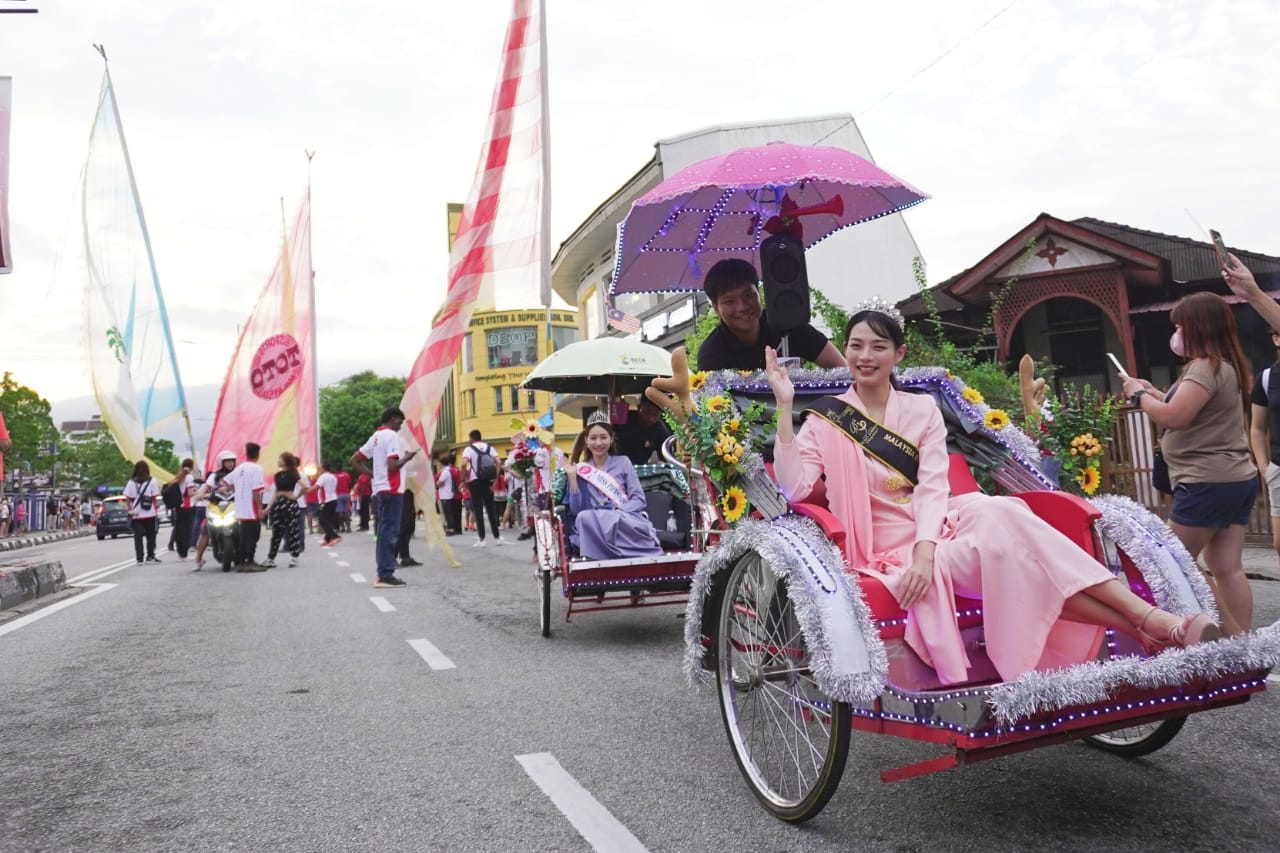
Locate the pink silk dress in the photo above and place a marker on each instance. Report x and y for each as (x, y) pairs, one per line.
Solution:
(992, 548)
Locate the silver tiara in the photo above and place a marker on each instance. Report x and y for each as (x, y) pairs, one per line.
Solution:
(877, 304)
(597, 417)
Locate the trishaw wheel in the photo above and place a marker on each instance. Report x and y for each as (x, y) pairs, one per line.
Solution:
(1137, 740)
(544, 600)
(789, 739)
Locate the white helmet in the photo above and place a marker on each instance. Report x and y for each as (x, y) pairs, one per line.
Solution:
(225, 455)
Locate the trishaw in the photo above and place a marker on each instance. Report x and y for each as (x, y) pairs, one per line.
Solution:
(588, 586)
(802, 651)
(679, 505)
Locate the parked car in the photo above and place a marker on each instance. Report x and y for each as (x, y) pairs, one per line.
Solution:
(113, 518)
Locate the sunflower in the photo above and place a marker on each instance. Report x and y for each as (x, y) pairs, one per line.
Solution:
(733, 504)
(973, 395)
(718, 403)
(1089, 480)
(732, 425)
(697, 380)
(996, 419)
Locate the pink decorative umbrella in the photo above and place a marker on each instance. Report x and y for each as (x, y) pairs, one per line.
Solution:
(724, 206)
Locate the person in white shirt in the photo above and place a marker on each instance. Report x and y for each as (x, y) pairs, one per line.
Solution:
(143, 493)
(185, 514)
(481, 485)
(248, 481)
(450, 501)
(385, 451)
(328, 485)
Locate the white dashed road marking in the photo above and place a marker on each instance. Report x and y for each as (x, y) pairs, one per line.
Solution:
(382, 604)
(593, 821)
(89, 577)
(344, 564)
(358, 578)
(433, 656)
(331, 554)
(23, 621)
(1273, 678)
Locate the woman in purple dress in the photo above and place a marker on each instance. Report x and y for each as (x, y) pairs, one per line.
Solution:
(605, 498)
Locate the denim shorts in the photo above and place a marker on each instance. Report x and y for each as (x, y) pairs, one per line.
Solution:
(1214, 504)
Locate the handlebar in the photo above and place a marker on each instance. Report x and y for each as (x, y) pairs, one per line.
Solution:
(668, 453)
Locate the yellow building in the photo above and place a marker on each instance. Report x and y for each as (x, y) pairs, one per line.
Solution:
(498, 351)
(497, 354)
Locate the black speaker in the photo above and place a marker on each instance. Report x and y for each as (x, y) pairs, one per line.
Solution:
(786, 282)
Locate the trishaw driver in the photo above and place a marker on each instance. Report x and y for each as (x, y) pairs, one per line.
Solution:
(738, 342)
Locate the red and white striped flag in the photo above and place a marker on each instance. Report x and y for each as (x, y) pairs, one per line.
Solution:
(622, 321)
(499, 252)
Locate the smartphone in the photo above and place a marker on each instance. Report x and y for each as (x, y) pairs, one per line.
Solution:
(1219, 247)
(1116, 362)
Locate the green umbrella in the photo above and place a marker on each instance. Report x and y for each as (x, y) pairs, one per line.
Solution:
(601, 366)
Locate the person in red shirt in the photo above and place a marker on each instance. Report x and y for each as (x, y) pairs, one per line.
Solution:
(344, 501)
(364, 492)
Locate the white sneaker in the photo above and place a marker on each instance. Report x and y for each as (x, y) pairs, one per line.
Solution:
(479, 543)
(497, 541)
(293, 562)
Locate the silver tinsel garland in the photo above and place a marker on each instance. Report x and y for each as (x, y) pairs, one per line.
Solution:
(770, 541)
(1166, 566)
(1087, 683)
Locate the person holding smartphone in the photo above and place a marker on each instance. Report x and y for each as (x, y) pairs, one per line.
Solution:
(1204, 418)
(1241, 282)
(1264, 434)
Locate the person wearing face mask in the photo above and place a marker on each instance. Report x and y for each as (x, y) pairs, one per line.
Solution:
(1205, 418)
(738, 342)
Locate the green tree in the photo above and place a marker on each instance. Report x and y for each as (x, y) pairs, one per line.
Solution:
(31, 429)
(350, 409)
(160, 451)
(93, 462)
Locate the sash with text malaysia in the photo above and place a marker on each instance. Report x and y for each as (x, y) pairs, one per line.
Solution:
(885, 445)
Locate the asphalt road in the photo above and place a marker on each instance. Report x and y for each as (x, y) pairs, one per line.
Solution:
(181, 710)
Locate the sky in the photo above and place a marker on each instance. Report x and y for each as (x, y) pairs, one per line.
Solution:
(1131, 111)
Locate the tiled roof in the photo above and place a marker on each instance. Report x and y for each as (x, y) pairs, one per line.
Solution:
(1189, 260)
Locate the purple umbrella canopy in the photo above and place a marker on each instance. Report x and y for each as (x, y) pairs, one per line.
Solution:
(724, 206)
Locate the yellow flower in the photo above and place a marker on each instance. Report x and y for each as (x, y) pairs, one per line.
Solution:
(733, 504)
(697, 380)
(718, 403)
(996, 419)
(746, 373)
(733, 425)
(973, 395)
(1089, 480)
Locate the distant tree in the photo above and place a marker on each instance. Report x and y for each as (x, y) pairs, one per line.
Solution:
(26, 414)
(93, 462)
(160, 451)
(350, 409)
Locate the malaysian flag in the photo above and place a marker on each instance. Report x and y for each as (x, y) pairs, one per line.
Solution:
(622, 321)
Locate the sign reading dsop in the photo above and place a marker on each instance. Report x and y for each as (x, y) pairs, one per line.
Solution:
(276, 365)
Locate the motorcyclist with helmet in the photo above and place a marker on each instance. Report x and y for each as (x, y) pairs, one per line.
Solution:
(214, 490)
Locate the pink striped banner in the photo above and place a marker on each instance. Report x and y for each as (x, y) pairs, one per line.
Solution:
(497, 252)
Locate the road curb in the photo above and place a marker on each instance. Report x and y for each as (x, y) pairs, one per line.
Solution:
(13, 543)
(21, 582)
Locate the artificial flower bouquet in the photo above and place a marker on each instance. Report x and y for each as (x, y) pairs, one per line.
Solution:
(717, 435)
(1074, 429)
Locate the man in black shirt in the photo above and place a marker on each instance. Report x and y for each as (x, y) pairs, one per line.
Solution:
(738, 342)
(1264, 434)
(643, 433)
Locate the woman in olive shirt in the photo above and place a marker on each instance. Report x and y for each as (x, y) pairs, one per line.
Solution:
(1205, 416)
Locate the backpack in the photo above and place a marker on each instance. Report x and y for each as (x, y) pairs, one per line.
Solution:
(172, 496)
(486, 467)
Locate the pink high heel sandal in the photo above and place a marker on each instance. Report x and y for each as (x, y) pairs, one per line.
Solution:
(1197, 628)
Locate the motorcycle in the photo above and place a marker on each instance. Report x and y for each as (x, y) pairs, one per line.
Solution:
(224, 530)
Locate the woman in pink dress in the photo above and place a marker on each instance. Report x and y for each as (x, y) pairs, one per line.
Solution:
(1044, 599)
